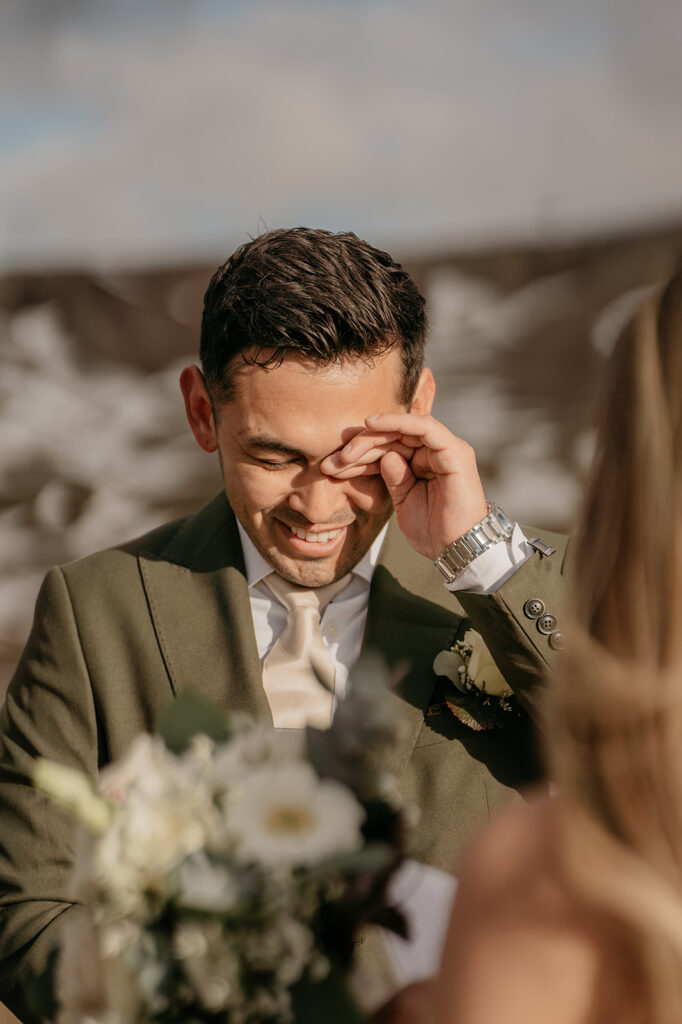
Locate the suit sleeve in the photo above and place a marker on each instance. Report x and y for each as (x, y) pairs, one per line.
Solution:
(521, 638)
(49, 712)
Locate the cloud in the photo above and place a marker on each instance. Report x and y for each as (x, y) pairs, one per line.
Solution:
(438, 122)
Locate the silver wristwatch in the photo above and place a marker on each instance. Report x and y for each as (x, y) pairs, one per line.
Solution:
(491, 530)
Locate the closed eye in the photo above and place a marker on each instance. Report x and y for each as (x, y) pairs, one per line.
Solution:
(274, 465)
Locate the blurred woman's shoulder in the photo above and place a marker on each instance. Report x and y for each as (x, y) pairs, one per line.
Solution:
(515, 851)
(518, 929)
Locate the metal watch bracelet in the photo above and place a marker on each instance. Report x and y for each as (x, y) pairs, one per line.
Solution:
(491, 530)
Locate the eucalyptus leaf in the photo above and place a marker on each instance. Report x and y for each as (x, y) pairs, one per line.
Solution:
(151, 960)
(206, 885)
(370, 859)
(189, 715)
(367, 715)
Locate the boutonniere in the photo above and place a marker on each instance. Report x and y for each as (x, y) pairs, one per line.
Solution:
(477, 694)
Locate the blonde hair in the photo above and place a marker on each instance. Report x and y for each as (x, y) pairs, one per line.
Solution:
(615, 709)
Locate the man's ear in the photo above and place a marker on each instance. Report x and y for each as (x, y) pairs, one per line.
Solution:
(424, 394)
(198, 408)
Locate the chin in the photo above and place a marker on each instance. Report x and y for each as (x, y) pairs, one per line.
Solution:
(308, 573)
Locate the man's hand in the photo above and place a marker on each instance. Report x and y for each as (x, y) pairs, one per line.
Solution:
(430, 474)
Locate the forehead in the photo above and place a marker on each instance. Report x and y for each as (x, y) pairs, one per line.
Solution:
(310, 405)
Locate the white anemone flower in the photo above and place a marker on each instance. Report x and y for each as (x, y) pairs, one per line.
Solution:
(482, 670)
(286, 816)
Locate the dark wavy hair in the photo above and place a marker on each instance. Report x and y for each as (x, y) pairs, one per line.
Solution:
(318, 294)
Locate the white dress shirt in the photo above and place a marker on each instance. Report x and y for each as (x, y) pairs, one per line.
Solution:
(343, 622)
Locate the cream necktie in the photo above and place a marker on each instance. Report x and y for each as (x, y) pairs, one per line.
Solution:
(294, 693)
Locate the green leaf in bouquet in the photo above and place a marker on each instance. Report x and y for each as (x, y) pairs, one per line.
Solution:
(369, 859)
(367, 714)
(364, 728)
(187, 716)
(328, 1000)
(207, 885)
(331, 762)
(152, 964)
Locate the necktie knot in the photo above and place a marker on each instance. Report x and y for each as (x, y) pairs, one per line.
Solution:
(292, 596)
(299, 658)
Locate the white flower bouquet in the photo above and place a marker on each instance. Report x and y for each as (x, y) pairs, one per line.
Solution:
(225, 868)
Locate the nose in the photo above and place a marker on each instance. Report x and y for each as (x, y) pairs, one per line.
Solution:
(319, 498)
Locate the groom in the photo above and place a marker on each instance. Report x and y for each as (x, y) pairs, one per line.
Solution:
(313, 393)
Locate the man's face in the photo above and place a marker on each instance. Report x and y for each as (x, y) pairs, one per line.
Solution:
(272, 437)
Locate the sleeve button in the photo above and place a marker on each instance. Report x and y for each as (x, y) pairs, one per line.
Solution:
(546, 624)
(534, 608)
(556, 640)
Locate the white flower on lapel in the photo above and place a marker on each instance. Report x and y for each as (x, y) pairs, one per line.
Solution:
(482, 670)
(481, 697)
(451, 664)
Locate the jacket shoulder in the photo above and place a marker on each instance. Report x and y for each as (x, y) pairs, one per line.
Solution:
(121, 557)
(188, 541)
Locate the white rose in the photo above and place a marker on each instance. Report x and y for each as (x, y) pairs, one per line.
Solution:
(451, 665)
(147, 764)
(150, 838)
(482, 670)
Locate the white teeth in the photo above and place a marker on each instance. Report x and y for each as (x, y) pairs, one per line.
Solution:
(314, 538)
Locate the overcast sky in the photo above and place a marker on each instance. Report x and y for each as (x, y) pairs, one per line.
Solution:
(138, 130)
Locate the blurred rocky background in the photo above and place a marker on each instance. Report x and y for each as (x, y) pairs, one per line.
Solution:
(521, 158)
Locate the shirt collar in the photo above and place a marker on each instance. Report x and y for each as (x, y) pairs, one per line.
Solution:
(257, 568)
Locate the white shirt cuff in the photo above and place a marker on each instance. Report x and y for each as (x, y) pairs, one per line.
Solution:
(493, 567)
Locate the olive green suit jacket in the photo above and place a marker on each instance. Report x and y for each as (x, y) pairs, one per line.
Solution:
(118, 634)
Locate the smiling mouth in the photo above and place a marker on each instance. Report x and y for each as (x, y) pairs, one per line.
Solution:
(314, 538)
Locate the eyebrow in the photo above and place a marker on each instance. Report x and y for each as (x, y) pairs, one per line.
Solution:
(271, 444)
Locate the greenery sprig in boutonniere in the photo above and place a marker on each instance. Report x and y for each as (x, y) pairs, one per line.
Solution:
(477, 694)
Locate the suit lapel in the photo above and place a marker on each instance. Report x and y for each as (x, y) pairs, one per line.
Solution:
(411, 618)
(199, 602)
